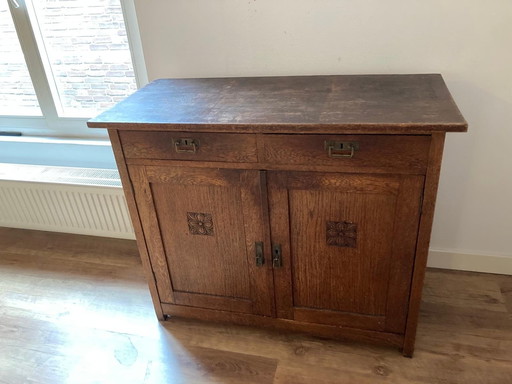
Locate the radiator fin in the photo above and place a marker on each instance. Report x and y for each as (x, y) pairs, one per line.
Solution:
(51, 205)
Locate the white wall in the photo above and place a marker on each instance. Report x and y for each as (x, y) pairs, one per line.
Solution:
(468, 41)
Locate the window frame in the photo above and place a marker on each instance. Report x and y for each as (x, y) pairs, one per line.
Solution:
(50, 124)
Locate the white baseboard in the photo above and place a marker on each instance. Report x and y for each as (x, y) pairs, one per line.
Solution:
(470, 262)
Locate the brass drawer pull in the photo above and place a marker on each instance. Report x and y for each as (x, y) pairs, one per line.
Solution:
(337, 149)
(186, 145)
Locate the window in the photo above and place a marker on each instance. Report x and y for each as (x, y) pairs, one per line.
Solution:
(65, 61)
(17, 95)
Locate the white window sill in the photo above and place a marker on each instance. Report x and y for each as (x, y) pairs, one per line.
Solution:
(85, 153)
(54, 140)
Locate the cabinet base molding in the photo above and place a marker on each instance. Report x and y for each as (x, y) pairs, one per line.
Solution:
(320, 330)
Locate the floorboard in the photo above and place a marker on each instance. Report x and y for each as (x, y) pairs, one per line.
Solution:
(76, 309)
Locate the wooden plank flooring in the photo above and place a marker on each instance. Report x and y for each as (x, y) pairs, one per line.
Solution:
(76, 309)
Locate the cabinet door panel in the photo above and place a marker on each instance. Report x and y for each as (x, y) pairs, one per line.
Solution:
(348, 236)
(202, 231)
(340, 243)
(205, 225)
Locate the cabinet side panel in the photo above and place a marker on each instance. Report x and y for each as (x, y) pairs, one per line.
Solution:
(425, 229)
(404, 246)
(151, 229)
(134, 214)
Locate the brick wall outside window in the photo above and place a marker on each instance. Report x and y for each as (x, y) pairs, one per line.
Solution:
(17, 94)
(88, 50)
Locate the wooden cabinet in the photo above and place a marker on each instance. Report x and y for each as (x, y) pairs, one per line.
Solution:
(299, 203)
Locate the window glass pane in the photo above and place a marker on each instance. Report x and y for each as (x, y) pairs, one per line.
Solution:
(17, 96)
(87, 49)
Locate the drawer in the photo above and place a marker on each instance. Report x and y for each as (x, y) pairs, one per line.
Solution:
(383, 152)
(189, 146)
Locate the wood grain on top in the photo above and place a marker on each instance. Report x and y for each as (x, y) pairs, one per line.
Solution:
(298, 104)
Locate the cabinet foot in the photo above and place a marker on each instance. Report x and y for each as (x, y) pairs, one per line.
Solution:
(407, 352)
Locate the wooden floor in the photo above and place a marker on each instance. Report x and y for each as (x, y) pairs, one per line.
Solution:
(76, 309)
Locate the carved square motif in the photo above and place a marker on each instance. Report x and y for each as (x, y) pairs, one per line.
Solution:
(342, 234)
(200, 223)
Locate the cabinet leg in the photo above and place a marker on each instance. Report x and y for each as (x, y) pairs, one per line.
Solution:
(159, 312)
(407, 351)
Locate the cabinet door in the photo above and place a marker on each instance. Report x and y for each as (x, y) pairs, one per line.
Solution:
(201, 228)
(348, 244)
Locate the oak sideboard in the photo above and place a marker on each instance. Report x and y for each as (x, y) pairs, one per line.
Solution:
(298, 203)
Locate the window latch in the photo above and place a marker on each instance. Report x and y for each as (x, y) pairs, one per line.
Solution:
(15, 4)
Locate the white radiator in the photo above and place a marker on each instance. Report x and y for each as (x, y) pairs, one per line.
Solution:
(61, 199)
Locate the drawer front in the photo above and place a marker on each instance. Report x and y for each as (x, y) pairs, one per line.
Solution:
(189, 146)
(385, 152)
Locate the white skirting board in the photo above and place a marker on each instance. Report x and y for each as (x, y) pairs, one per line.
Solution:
(470, 262)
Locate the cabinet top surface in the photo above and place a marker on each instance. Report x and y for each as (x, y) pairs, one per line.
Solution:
(293, 104)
